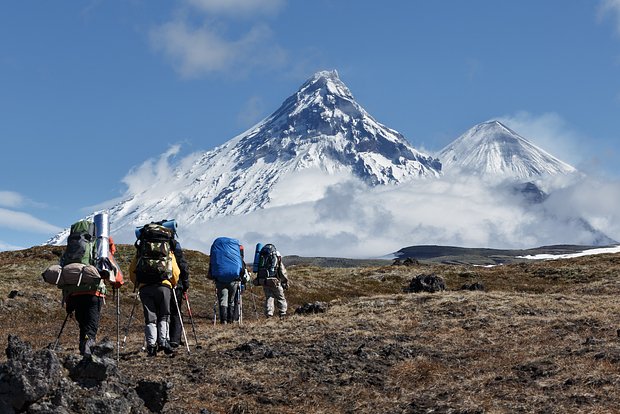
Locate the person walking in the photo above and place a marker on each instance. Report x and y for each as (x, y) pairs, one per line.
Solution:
(226, 269)
(273, 277)
(155, 272)
(86, 301)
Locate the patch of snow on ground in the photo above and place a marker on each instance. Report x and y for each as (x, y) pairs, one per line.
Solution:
(588, 252)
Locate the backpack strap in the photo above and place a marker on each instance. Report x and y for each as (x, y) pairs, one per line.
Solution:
(80, 277)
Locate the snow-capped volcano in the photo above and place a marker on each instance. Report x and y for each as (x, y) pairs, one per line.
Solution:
(492, 150)
(318, 131)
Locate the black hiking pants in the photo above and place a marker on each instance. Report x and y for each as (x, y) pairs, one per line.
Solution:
(175, 320)
(87, 310)
(227, 297)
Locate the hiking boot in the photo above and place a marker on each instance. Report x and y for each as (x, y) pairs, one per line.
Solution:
(174, 344)
(165, 346)
(282, 315)
(151, 350)
(223, 314)
(87, 347)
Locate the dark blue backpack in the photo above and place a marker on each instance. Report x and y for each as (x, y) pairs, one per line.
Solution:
(225, 260)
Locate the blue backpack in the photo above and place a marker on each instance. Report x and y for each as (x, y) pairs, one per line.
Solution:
(225, 260)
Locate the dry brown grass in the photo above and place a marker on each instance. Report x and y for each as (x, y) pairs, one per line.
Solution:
(542, 338)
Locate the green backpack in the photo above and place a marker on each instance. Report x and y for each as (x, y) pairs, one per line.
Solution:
(80, 244)
(153, 249)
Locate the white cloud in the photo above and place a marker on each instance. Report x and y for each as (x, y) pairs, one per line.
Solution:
(156, 174)
(198, 51)
(340, 216)
(238, 8)
(610, 8)
(17, 220)
(550, 132)
(352, 220)
(11, 199)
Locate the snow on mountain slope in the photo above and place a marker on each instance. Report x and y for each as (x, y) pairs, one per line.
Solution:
(492, 150)
(320, 135)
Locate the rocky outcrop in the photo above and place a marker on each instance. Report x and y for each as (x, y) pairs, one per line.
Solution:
(314, 307)
(40, 382)
(426, 283)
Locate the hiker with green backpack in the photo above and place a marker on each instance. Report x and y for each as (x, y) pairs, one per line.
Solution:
(155, 273)
(83, 280)
(273, 277)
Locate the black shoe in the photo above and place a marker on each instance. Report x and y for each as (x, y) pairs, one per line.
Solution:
(174, 344)
(165, 346)
(151, 350)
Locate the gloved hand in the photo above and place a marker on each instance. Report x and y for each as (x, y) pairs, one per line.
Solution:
(285, 285)
(185, 286)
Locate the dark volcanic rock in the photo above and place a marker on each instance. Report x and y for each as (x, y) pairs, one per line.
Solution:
(154, 394)
(409, 261)
(27, 376)
(37, 382)
(314, 307)
(256, 348)
(426, 283)
(473, 286)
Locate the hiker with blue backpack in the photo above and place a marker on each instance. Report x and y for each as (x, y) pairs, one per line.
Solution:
(273, 277)
(227, 270)
(155, 273)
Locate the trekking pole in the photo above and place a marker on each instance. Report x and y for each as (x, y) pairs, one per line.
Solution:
(176, 302)
(118, 324)
(133, 308)
(61, 329)
(254, 302)
(215, 308)
(191, 319)
(240, 304)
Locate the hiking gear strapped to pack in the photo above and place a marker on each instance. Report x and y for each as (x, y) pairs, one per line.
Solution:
(169, 224)
(104, 260)
(259, 246)
(73, 274)
(155, 247)
(267, 264)
(80, 244)
(226, 264)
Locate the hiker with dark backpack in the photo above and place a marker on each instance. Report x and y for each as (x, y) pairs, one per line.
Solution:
(155, 272)
(273, 277)
(227, 270)
(84, 289)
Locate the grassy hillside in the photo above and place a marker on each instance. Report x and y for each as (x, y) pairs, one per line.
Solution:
(542, 337)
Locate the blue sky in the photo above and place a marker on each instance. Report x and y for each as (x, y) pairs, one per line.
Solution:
(90, 90)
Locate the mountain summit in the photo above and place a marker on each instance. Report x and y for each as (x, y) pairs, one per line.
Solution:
(318, 134)
(322, 125)
(493, 150)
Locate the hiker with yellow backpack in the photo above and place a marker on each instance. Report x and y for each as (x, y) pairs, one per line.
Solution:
(155, 273)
